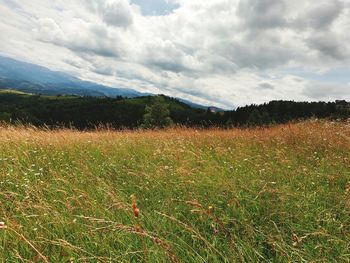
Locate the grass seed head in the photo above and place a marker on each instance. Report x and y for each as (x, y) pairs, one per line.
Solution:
(135, 209)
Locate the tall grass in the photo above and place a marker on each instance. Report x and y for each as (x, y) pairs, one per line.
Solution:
(279, 194)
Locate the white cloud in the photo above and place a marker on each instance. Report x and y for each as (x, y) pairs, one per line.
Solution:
(115, 12)
(49, 31)
(222, 52)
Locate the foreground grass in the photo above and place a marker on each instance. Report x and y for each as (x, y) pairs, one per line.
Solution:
(280, 194)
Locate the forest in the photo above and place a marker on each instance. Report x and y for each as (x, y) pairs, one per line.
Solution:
(153, 111)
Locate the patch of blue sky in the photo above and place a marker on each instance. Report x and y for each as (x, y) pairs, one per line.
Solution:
(155, 7)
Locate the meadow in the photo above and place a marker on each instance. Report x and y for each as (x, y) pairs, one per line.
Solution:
(278, 194)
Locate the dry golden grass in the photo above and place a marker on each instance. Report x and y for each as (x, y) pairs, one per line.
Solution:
(336, 131)
(278, 194)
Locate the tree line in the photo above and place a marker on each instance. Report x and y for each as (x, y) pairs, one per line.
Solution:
(154, 111)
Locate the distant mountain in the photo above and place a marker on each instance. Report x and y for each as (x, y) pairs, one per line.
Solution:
(32, 78)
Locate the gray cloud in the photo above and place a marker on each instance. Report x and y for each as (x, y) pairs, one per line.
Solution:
(265, 86)
(329, 45)
(116, 13)
(92, 39)
(75, 63)
(164, 55)
(327, 91)
(107, 71)
(321, 15)
(260, 53)
(262, 14)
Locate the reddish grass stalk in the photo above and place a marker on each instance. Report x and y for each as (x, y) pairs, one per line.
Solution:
(138, 227)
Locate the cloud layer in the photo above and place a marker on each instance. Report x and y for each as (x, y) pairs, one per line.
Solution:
(222, 52)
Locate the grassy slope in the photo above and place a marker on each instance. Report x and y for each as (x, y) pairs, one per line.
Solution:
(279, 195)
(11, 91)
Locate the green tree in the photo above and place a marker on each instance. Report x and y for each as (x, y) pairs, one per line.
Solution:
(259, 118)
(157, 114)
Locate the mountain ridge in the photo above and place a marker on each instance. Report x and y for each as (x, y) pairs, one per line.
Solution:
(31, 78)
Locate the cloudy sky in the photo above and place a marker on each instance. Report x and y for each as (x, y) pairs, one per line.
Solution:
(226, 53)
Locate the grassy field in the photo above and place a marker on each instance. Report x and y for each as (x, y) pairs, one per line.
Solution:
(280, 194)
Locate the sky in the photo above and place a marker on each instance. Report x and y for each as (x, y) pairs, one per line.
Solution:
(225, 53)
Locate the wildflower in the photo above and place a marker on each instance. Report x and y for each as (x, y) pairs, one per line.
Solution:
(2, 225)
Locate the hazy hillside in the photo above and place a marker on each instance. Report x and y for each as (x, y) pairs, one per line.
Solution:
(36, 79)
